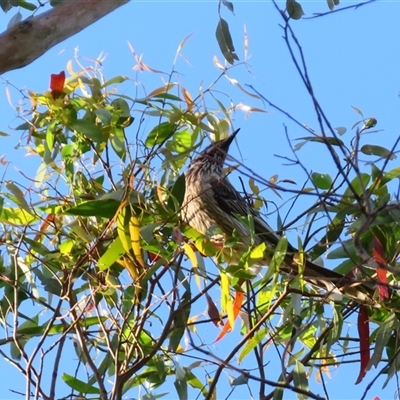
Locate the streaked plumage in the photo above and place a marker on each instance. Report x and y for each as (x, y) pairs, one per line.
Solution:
(211, 200)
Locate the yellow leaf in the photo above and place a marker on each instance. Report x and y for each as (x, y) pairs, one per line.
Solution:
(123, 229)
(193, 259)
(128, 264)
(134, 230)
(224, 291)
(258, 252)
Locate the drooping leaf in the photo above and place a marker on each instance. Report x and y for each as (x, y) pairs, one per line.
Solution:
(212, 311)
(225, 42)
(229, 6)
(300, 378)
(19, 196)
(379, 256)
(363, 332)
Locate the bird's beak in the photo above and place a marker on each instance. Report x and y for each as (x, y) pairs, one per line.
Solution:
(225, 143)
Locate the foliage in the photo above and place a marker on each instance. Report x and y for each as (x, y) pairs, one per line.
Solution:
(95, 242)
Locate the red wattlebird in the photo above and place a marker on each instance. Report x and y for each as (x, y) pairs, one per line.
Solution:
(211, 201)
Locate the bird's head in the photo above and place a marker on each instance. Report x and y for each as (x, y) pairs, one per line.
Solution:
(215, 154)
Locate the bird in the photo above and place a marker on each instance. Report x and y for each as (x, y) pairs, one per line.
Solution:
(211, 200)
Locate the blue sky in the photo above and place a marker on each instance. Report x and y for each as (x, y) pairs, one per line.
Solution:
(353, 58)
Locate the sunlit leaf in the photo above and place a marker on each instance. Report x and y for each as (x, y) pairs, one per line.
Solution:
(321, 181)
(160, 134)
(96, 208)
(254, 341)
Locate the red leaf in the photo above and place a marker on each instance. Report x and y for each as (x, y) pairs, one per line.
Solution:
(379, 253)
(379, 256)
(57, 82)
(363, 332)
(153, 257)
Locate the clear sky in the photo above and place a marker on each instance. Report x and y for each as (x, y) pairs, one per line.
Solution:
(353, 59)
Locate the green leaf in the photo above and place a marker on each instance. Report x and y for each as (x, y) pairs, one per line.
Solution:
(300, 379)
(96, 208)
(113, 253)
(345, 250)
(19, 196)
(180, 322)
(225, 42)
(321, 139)
(229, 6)
(195, 382)
(383, 335)
(104, 115)
(240, 380)
(88, 129)
(16, 216)
(122, 107)
(370, 123)
(254, 341)
(78, 385)
(294, 9)
(113, 81)
(321, 181)
(334, 230)
(379, 151)
(160, 134)
(182, 389)
(177, 194)
(357, 185)
(5, 5)
(118, 143)
(26, 5)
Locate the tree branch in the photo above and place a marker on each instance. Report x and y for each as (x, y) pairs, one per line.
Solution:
(29, 39)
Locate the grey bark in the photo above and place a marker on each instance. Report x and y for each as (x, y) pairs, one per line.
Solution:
(32, 37)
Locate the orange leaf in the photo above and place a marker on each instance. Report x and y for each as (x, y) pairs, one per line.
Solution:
(363, 331)
(188, 99)
(57, 82)
(43, 228)
(237, 305)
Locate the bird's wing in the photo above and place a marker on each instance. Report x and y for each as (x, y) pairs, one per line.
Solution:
(230, 200)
